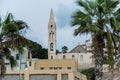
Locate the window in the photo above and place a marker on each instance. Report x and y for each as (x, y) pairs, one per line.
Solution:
(64, 77)
(55, 68)
(51, 57)
(50, 35)
(51, 26)
(73, 56)
(81, 57)
(64, 57)
(30, 63)
(68, 68)
(17, 56)
(51, 46)
(41, 68)
(51, 68)
(60, 68)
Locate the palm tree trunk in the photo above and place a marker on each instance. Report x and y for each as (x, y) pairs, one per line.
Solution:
(98, 63)
(98, 44)
(1, 59)
(0, 78)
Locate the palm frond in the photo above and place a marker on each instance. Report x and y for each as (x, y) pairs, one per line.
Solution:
(8, 18)
(13, 62)
(92, 4)
(114, 24)
(94, 28)
(7, 52)
(80, 30)
(21, 24)
(83, 4)
(100, 1)
(111, 5)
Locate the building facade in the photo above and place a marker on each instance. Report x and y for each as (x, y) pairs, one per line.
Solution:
(53, 68)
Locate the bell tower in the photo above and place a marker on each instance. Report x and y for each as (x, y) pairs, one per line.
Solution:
(51, 37)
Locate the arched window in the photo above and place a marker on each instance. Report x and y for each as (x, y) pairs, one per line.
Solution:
(81, 57)
(73, 56)
(52, 35)
(51, 26)
(51, 46)
(51, 57)
(64, 57)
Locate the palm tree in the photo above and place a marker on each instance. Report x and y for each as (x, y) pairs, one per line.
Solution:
(100, 18)
(11, 39)
(64, 49)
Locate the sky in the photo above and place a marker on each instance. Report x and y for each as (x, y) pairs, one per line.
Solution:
(36, 14)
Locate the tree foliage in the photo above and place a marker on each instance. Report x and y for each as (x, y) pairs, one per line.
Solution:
(36, 50)
(11, 32)
(64, 49)
(89, 73)
(101, 19)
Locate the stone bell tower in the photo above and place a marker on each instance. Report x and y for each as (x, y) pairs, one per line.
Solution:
(51, 37)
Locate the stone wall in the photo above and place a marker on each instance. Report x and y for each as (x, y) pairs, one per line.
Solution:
(56, 64)
(43, 75)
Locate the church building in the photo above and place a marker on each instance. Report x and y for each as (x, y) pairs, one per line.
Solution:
(81, 53)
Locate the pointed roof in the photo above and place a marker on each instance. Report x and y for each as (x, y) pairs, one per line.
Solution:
(78, 49)
(51, 19)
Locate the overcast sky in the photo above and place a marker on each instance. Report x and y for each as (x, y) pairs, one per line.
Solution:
(36, 14)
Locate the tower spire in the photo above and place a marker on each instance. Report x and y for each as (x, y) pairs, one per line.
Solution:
(51, 20)
(51, 36)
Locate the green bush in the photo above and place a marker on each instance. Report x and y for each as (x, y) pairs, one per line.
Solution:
(89, 73)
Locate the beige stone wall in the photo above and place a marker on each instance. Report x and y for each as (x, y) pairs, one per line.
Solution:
(86, 62)
(56, 63)
(27, 73)
(32, 66)
(87, 57)
(52, 56)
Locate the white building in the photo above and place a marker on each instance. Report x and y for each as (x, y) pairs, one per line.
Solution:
(21, 60)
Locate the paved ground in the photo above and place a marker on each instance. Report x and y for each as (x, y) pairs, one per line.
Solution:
(110, 76)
